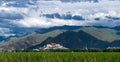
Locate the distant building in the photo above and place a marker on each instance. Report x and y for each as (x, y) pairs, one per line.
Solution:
(113, 48)
(53, 46)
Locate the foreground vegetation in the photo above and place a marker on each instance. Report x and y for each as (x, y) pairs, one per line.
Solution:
(69, 50)
(59, 57)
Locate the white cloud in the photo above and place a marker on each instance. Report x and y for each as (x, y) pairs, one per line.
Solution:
(44, 22)
(7, 35)
(88, 10)
(5, 32)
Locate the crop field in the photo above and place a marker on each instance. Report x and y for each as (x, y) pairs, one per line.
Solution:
(59, 57)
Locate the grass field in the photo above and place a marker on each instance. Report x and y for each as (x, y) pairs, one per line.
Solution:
(59, 57)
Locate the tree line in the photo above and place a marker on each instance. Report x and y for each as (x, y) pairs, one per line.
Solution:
(69, 50)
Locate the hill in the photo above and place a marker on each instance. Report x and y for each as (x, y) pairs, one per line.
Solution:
(105, 34)
(82, 37)
(71, 39)
(27, 41)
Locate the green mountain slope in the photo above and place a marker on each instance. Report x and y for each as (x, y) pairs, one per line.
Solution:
(105, 34)
(102, 34)
(27, 41)
(71, 39)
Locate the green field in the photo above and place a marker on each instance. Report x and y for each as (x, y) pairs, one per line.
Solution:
(59, 57)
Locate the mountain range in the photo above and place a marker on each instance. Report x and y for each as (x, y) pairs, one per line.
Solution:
(76, 37)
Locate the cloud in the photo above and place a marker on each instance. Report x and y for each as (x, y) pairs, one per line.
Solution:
(43, 22)
(16, 17)
(5, 32)
(89, 11)
(46, 22)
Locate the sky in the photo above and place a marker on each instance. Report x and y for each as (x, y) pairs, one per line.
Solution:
(18, 15)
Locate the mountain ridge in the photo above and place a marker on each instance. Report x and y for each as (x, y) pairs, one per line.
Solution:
(83, 33)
